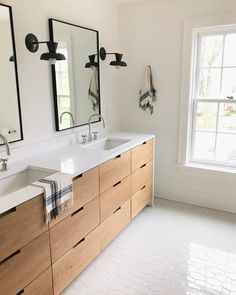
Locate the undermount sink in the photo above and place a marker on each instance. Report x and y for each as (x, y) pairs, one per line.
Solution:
(108, 143)
(21, 179)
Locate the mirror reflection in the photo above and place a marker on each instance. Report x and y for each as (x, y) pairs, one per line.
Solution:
(10, 117)
(76, 88)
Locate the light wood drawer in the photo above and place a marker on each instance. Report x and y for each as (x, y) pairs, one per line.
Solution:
(21, 225)
(141, 199)
(74, 261)
(42, 285)
(142, 154)
(25, 265)
(68, 232)
(114, 170)
(141, 177)
(114, 197)
(111, 227)
(85, 189)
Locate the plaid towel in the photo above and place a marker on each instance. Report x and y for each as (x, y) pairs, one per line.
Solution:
(148, 94)
(58, 195)
(93, 93)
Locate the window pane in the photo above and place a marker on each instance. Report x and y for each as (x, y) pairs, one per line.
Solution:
(63, 87)
(226, 148)
(230, 49)
(209, 83)
(206, 116)
(229, 82)
(204, 146)
(211, 51)
(227, 117)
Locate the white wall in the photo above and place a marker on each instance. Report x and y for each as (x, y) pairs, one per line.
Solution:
(151, 32)
(35, 75)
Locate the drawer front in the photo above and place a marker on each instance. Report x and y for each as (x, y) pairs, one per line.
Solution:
(85, 189)
(142, 154)
(141, 199)
(21, 225)
(25, 265)
(114, 170)
(113, 225)
(114, 197)
(75, 227)
(42, 285)
(74, 261)
(142, 177)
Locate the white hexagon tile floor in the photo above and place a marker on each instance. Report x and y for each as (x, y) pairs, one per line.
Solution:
(170, 249)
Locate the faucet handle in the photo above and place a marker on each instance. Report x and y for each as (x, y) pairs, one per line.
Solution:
(4, 164)
(95, 135)
(84, 139)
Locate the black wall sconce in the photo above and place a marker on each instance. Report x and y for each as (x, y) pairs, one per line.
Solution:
(52, 56)
(103, 54)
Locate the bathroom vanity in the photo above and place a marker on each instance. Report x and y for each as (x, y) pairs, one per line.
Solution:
(112, 183)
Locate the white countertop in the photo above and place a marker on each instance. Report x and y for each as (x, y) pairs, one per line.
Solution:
(73, 159)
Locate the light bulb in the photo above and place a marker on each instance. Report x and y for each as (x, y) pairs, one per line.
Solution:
(52, 61)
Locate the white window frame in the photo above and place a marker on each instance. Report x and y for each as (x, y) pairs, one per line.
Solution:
(192, 28)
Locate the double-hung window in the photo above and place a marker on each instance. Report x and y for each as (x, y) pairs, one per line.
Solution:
(212, 136)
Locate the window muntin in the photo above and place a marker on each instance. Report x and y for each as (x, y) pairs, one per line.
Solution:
(213, 136)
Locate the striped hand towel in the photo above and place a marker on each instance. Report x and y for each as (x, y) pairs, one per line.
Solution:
(58, 196)
(148, 94)
(93, 92)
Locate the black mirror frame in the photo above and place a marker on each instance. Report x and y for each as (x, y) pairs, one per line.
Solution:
(16, 73)
(54, 83)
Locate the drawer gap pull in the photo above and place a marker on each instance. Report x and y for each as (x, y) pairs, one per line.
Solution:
(117, 210)
(144, 142)
(119, 182)
(77, 211)
(79, 176)
(119, 156)
(81, 241)
(21, 292)
(9, 257)
(143, 187)
(144, 165)
(8, 212)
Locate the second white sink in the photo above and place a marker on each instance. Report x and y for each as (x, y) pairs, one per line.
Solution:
(107, 143)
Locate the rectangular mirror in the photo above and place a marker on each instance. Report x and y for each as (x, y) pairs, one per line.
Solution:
(76, 88)
(10, 112)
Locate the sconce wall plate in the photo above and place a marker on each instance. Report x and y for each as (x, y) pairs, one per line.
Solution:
(32, 43)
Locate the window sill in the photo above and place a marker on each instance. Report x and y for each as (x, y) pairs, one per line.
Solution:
(207, 171)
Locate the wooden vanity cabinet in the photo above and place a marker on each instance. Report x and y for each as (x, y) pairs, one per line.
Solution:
(37, 259)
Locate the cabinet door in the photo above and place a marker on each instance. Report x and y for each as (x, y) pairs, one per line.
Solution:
(142, 177)
(141, 199)
(113, 225)
(114, 170)
(21, 225)
(142, 154)
(74, 261)
(22, 267)
(85, 189)
(42, 285)
(114, 197)
(68, 232)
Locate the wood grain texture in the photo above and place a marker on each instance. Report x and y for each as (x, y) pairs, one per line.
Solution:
(113, 225)
(114, 170)
(85, 189)
(74, 261)
(142, 154)
(114, 197)
(22, 268)
(21, 226)
(68, 232)
(42, 285)
(141, 177)
(141, 199)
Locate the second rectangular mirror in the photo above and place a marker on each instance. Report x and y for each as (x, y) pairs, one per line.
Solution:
(76, 88)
